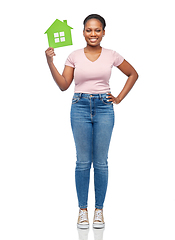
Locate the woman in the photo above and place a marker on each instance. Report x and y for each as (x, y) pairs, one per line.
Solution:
(92, 114)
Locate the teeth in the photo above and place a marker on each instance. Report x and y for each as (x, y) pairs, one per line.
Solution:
(93, 39)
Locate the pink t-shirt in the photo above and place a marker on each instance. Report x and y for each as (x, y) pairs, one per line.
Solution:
(93, 77)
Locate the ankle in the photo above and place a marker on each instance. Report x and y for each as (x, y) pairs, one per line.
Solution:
(83, 209)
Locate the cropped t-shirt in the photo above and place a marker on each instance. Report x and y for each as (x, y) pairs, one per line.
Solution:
(93, 77)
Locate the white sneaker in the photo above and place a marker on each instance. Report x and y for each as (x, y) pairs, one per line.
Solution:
(83, 221)
(98, 219)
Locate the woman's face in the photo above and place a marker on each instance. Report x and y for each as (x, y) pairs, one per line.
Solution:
(93, 32)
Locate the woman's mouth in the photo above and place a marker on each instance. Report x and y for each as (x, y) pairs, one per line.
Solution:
(93, 40)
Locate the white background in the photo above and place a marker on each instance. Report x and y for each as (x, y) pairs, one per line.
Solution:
(37, 153)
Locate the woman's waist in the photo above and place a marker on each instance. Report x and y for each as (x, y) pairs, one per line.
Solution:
(91, 95)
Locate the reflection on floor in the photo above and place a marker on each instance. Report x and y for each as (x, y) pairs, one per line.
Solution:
(83, 234)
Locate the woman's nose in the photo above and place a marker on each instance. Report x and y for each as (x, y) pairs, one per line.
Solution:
(93, 33)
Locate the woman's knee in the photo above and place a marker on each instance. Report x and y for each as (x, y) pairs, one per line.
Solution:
(100, 166)
(80, 166)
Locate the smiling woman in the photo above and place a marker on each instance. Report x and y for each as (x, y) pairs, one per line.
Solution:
(92, 113)
(93, 33)
(94, 30)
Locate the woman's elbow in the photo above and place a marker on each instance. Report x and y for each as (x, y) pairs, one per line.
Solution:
(137, 75)
(63, 89)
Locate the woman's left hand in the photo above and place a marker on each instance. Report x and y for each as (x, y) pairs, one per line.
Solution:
(113, 99)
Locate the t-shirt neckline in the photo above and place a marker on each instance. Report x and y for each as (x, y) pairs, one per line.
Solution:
(96, 59)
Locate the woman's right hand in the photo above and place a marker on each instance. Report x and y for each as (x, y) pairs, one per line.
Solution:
(49, 54)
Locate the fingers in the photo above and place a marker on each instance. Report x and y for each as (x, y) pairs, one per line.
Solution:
(50, 54)
(111, 98)
(49, 49)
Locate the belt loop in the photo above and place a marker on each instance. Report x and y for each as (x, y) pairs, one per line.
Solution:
(80, 95)
(100, 96)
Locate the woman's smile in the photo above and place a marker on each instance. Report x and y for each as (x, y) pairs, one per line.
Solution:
(93, 32)
(93, 40)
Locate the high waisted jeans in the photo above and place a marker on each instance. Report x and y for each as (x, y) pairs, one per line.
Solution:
(92, 121)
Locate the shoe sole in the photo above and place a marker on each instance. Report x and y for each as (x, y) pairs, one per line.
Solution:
(83, 226)
(96, 225)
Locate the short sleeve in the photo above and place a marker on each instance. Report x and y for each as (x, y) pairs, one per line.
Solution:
(70, 61)
(117, 59)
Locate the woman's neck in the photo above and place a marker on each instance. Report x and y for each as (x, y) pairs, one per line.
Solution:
(92, 49)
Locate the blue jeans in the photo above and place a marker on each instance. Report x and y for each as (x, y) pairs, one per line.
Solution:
(92, 121)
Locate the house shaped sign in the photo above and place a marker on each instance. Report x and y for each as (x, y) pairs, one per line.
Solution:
(59, 34)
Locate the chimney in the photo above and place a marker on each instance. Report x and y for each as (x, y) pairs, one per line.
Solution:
(65, 21)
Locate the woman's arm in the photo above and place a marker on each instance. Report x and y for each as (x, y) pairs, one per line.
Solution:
(129, 71)
(63, 81)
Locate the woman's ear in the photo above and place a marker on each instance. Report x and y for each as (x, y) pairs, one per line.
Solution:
(103, 33)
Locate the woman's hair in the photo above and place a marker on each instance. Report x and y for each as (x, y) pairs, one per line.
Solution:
(96, 16)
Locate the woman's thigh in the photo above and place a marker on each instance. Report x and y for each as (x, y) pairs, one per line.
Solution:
(82, 131)
(102, 132)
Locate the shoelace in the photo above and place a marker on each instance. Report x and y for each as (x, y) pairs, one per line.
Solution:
(98, 215)
(83, 216)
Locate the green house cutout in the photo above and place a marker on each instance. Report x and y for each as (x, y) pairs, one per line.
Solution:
(59, 34)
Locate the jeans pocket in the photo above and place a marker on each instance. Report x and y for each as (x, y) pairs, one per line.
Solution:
(105, 101)
(75, 99)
